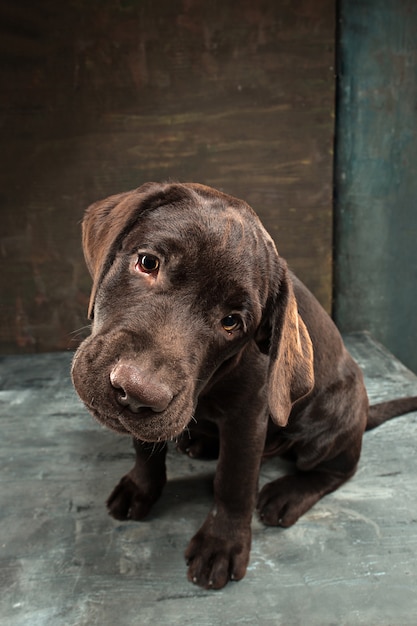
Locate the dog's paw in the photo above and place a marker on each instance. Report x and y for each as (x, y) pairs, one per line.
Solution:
(214, 560)
(128, 502)
(283, 501)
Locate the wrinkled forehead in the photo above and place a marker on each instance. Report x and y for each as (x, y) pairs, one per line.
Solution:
(223, 251)
(198, 229)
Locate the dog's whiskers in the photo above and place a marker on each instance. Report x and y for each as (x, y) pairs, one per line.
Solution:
(79, 332)
(157, 446)
(186, 430)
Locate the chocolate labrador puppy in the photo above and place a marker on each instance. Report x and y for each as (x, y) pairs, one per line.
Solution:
(203, 336)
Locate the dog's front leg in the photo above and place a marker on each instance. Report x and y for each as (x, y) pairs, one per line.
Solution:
(219, 551)
(135, 494)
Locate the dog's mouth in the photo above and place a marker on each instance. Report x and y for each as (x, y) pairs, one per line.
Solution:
(152, 426)
(126, 396)
(146, 424)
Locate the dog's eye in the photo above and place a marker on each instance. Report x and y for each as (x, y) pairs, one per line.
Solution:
(231, 322)
(147, 263)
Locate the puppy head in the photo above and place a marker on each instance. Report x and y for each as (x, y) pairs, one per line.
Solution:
(184, 277)
(180, 280)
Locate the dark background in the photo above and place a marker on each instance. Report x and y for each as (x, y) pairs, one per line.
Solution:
(99, 96)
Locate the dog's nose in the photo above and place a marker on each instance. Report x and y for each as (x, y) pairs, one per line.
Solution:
(137, 389)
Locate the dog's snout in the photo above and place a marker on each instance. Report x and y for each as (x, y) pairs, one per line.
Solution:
(136, 389)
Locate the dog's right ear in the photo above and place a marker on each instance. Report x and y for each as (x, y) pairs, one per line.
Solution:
(104, 225)
(99, 228)
(285, 338)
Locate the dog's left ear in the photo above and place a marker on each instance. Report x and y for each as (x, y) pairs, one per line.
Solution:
(291, 372)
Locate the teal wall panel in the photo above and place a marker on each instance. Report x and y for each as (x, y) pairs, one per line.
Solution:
(376, 173)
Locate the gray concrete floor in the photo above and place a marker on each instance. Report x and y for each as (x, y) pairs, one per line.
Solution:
(351, 560)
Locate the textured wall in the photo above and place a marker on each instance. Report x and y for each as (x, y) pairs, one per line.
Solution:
(376, 227)
(100, 96)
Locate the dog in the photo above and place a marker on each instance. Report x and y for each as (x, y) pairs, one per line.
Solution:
(202, 335)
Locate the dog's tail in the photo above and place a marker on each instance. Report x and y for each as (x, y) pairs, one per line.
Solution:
(380, 413)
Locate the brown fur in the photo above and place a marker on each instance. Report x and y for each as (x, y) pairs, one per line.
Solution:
(161, 365)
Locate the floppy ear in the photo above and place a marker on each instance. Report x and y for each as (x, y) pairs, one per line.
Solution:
(291, 373)
(105, 224)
